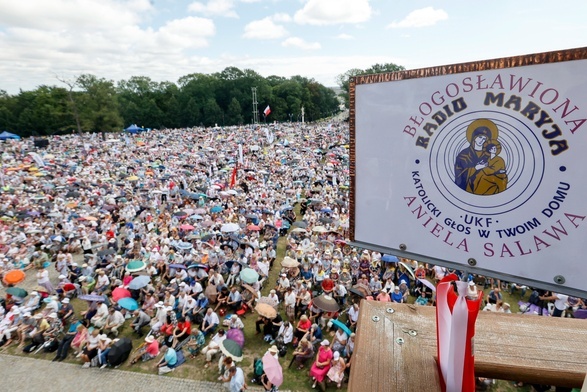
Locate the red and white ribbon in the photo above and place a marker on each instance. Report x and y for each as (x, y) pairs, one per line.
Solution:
(455, 317)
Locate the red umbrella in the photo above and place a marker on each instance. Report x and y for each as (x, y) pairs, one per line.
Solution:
(253, 228)
(68, 287)
(120, 292)
(14, 277)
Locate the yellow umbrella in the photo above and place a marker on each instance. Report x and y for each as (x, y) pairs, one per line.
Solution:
(133, 178)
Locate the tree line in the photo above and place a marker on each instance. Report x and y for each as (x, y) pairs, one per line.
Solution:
(92, 104)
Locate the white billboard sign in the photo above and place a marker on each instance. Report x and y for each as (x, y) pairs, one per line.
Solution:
(480, 165)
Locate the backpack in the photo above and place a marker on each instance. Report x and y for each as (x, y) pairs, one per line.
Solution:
(535, 298)
(258, 367)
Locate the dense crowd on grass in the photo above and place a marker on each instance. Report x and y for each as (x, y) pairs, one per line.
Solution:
(173, 234)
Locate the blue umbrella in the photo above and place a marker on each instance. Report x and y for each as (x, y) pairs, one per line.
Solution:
(128, 303)
(342, 326)
(177, 266)
(91, 297)
(249, 275)
(327, 210)
(389, 259)
(136, 266)
(198, 266)
(196, 217)
(139, 282)
(184, 245)
(216, 209)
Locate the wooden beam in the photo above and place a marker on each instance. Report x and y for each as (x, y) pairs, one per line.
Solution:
(526, 348)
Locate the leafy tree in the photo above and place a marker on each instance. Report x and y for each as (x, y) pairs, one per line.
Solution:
(234, 114)
(211, 113)
(343, 79)
(99, 111)
(92, 104)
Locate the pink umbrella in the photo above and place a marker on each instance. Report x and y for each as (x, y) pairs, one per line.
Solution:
(237, 335)
(272, 369)
(186, 227)
(120, 292)
(253, 228)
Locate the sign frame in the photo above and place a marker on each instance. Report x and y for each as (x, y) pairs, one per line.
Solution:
(555, 283)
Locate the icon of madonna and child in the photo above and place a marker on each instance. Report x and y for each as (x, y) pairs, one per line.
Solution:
(479, 169)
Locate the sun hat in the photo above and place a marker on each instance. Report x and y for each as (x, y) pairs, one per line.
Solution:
(273, 349)
(65, 300)
(149, 339)
(325, 342)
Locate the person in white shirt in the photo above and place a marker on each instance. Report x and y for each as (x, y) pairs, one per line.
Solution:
(102, 282)
(289, 299)
(353, 316)
(188, 306)
(235, 322)
(115, 320)
(235, 299)
(340, 293)
(99, 319)
(210, 322)
(160, 316)
(213, 347)
(181, 299)
(286, 332)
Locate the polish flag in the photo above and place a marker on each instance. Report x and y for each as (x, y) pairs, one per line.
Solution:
(267, 111)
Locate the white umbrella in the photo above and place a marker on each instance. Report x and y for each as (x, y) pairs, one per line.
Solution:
(229, 227)
(428, 284)
(408, 269)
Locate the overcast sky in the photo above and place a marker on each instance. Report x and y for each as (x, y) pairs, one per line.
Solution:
(167, 39)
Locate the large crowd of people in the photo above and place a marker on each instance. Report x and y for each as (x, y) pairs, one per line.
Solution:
(172, 236)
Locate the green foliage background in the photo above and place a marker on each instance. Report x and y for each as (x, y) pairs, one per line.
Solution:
(222, 99)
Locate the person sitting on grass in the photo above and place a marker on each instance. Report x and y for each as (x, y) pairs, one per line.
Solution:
(195, 342)
(213, 347)
(235, 299)
(148, 351)
(91, 348)
(168, 362)
(182, 330)
(210, 322)
(302, 353)
(222, 298)
(114, 321)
